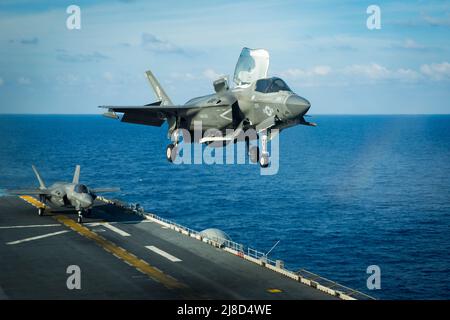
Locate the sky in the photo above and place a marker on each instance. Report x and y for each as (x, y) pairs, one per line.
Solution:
(322, 49)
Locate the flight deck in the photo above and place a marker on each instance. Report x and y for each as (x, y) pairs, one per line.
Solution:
(123, 254)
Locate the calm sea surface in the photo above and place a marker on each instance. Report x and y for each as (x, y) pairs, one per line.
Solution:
(353, 192)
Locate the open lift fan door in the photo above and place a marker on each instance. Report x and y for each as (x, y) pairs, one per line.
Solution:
(251, 66)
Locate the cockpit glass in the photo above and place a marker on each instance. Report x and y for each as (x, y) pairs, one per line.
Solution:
(278, 85)
(262, 85)
(271, 85)
(81, 188)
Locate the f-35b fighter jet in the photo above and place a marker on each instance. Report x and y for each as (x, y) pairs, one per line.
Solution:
(64, 194)
(255, 102)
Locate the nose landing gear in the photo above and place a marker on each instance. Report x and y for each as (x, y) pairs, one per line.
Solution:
(264, 158)
(80, 216)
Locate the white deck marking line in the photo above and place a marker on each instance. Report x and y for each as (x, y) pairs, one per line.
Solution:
(116, 230)
(37, 237)
(163, 253)
(31, 226)
(94, 224)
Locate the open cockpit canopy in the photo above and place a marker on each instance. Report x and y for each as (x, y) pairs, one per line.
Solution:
(251, 66)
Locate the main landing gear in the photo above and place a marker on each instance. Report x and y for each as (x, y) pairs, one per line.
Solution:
(41, 210)
(172, 149)
(171, 152)
(255, 155)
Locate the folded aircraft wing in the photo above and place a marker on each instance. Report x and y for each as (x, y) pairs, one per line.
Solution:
(101, 190)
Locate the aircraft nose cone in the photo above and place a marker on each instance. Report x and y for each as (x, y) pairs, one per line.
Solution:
(297, 105)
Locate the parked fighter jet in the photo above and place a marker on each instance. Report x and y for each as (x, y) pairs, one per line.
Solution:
(256, 102)
(63, 194)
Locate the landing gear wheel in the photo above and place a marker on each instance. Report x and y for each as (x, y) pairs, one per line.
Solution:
(41, 212)
(171, 152)
(80, 216)
(254, 154)
(264, 161)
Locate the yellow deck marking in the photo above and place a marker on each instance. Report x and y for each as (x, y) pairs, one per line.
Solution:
(33, 201)
(274, 290)
(141, 265)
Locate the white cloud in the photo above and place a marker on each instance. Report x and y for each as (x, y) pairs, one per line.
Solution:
(436, 71)
(320, 70)
(358, 73)
(441, 22)
(411, 44)
(377, 72)
(108, 76)
(183, 76)
(24, 81)
(211, 74)
(153, 43)
(407, 75)
(67, 79)
(371, 71)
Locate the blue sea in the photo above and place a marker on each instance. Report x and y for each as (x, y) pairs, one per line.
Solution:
(354, 191)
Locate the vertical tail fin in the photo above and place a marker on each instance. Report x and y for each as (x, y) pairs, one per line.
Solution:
(164, 98)
(76, 175)
(38, 176)
(159, 91)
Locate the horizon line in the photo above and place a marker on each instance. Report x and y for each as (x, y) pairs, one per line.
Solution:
(314, 114)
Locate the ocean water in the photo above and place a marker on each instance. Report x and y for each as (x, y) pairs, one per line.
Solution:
(354, 191)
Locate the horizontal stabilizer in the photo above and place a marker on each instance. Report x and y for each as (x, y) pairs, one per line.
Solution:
(29, 192)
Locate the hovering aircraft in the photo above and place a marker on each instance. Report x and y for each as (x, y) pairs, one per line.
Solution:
(63, 194)
(255, 102)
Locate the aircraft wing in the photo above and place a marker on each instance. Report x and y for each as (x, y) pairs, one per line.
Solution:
(28, 191)
(153, 114)
(100, 190)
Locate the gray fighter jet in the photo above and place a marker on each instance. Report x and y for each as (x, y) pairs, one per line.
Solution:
(255, 102)
(63, 194)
